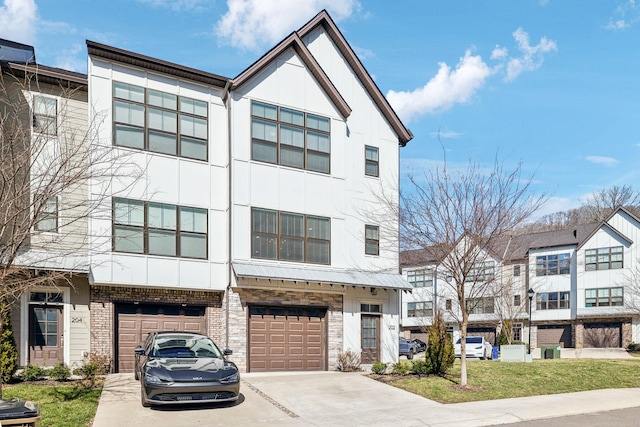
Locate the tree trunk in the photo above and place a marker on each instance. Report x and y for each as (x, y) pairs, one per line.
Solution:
(463, 350)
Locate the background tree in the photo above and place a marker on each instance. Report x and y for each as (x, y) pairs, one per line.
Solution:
(460, 214)
(8, 349)
(46, 163)
(440, 350)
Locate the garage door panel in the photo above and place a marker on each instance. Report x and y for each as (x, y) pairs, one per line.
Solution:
(554, 335)
(602, 335)
(285, 342)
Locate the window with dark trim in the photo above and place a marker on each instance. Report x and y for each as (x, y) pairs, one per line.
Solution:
(371, 166)
(553, 300)
(159, 229)
(370, 308)
(447, 304)
(371, 240)
(420, 278)
(47, 218)
(603, 258)
(480, 305)
(516, 270)
(290, 137)
(290, 236)
(420, 309)
(516, 301)
(550, 265)
(481, 272)
(161, 122)
(604, 297)
(45, 115)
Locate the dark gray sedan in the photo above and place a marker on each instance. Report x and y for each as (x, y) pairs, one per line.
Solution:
(184, 367)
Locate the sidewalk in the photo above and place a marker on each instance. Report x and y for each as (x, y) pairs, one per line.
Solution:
(344, 399)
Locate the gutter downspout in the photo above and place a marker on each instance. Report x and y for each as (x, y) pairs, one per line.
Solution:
(226, 98)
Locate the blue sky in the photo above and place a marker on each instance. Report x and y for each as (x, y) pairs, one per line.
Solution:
(554, 84)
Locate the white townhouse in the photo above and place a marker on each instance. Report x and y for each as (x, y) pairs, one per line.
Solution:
(584, 283)
(243, 207)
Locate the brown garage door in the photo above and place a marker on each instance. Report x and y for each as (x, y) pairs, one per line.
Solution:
(488, 333)
(602, 335)
(554, 335)
(287, 339)
(135, 321)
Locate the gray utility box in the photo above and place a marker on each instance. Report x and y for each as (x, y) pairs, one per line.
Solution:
(550, 352)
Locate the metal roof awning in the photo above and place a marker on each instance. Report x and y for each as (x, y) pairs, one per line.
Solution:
(332, 277)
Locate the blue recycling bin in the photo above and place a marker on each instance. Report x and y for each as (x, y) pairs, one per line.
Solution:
(494, 352)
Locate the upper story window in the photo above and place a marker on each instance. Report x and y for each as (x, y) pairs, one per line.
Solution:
(161, 122)
(517, 301)
(290, 236)
(159, 229)
(480, 305)
(371, 240)
(603, 258)
(420, 309)
(47, 218)
(553, 300)
(371, 165)
(45, 113)
(516, 270)
(481, 272)
(370, 308)
(290, 138)
(420, 278)
(549, 265)
(604, 297)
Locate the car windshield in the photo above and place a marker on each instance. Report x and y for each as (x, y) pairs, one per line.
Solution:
(180, 345)
(471, 340)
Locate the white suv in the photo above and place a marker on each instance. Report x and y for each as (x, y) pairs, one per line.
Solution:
(476, 347)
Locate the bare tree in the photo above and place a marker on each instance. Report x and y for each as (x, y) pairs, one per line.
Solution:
(460, 215)
(47, 156)
(605, 200)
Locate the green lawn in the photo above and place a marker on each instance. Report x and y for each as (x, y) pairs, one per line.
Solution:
(70, 405)
(489, 380)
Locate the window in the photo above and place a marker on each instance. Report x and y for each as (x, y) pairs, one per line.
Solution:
(370, 308)
(517, 332)
(420, 309)
(45, 113)
(549, 265)
(516, 301)
(447, 304)
(420, 278)
(481, 272)
(159, 229)
(290, 237)
(516, 270)
(603, 258)
(46, 297)
(371, 240)
(553, 300)
(161, 122)
(371, 166)
(47, 218)
(604, 297)
(480, 305)
(290, 138)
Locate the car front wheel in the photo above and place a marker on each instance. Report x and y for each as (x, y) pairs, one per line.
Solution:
(410, 355)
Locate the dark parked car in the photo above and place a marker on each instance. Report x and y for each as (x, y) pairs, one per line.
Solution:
(406, 348)
(184, 367)
(420, 345)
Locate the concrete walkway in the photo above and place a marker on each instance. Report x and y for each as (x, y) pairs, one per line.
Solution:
(343, 399)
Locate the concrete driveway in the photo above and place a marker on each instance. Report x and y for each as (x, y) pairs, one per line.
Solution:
(342, 399)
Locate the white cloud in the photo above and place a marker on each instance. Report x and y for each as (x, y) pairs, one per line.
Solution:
(446, 134)
(532, 56)
(18, 19)
(447, 88)
(177, 5)
(251, 24)
(556, 204)
(602, 160)
(72, 59)
(624, 16)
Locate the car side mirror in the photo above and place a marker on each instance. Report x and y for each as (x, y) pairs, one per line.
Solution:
(227, 352)
(139, 351)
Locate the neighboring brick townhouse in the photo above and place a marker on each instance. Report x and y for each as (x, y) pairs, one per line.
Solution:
(248, 212)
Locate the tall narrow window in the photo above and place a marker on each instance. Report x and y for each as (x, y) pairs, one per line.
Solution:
(45, 113)
(47, 218)
(371, 161)
(372, 240)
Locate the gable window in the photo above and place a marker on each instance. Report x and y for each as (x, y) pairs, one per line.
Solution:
(552, 300)
(516, 301)
(372, 240)
(290, 138)
(47, 218)
(447, 304)
(290, 236)
(45, 113)
(160, 122)
(603, 258)
(420, 309)
(159, 229)
(516, 270)
(420, 278)
(550, 265)
(371, 166)
(480, 305)
(604, 297)
(481, 272)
